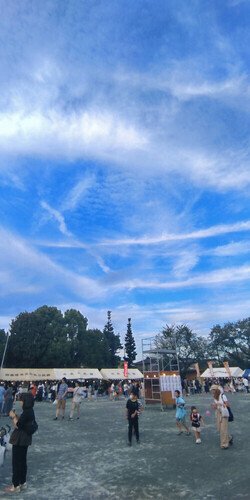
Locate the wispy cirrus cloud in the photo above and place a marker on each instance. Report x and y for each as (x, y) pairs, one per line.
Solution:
(55, 214)
(199, 234)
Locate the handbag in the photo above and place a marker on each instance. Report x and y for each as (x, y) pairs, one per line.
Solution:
(31, 427)
(230, 413)
(231, 417)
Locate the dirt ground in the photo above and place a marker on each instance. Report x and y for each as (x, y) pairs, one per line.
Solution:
(89, 459)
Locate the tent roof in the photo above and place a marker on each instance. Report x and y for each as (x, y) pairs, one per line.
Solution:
(118, 374)
(27, 374)
(31, 374)
(222, 372)
(77, 373)
(246, 373)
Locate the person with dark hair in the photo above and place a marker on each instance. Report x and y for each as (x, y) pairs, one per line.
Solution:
(21, 439)
(61, 398)
(8, 403)
(132, 410)
(180, 413)
(196, 421)
(77, 397)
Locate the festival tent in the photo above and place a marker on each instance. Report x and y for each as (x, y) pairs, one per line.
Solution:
(77, 373)
(27, 374)
(222, 372)
(32, 374)
(118, 374)
(246, 373)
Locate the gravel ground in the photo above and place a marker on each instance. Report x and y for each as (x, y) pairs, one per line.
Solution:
(88, 459)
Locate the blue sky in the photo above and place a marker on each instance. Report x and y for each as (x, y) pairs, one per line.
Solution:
(124, 161)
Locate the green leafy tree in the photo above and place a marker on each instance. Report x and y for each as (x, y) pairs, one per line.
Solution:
(75, 329)
(38, 340)
(189, 347)
(130, 346)
(231, 343)
(98, 355)
(113, 340)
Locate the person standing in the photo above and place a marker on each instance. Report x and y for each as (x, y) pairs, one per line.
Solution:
(8, 403)
(181, 413)
(61, 398)
(196, 420)
(77, 397)
(2, 393)
(220, 405)
(246, 384)
(132, 409)
(21, 440)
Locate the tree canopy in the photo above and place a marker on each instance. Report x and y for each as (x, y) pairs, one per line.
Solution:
(130, 347)
(231, 342)
(46, 338)
(113, 340)
(189, 347)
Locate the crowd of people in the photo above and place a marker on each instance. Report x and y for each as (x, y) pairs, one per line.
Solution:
(21, 437)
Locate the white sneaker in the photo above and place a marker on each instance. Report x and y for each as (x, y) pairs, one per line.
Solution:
(198, 441)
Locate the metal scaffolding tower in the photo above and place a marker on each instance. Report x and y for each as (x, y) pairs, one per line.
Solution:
(155, 361)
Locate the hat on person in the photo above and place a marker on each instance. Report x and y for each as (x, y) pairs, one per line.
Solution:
(214, 387)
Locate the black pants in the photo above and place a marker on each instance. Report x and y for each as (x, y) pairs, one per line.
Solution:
(133, 422)
(19, 464)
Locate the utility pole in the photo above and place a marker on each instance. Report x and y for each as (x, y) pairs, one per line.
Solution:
(5, 349)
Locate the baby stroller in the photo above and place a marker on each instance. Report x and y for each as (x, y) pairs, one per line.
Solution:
(4, 442)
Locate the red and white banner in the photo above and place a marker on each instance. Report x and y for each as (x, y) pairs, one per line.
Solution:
(210, 366)
(197, 369)
(226, 365)
(125, 369)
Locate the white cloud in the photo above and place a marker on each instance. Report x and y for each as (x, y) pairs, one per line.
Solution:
(35, 273)
(215, 278)
(198, 234)
(55, 214)
(54, 134)
(231, 249)
(72, 199)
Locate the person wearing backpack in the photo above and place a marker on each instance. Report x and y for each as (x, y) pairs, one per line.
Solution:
(21, 439)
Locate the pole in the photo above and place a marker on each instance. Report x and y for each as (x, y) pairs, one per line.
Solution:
(5, 349)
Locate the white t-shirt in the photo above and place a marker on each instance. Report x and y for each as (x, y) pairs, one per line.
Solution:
(77, 396)
(245, 382)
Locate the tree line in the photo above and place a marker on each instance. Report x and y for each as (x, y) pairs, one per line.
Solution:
(230, 342)
(47, 338)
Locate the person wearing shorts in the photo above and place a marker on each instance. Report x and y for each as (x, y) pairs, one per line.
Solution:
(61, 398)
(180, 414)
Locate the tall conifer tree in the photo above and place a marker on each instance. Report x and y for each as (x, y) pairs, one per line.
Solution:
(130, 347)
(113, 341)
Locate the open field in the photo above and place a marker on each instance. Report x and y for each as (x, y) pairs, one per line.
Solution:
(88, 459)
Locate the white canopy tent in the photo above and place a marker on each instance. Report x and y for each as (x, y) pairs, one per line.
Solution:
(77, 373)
(222, 372)
(27, 374)
(32, 374)
(118, 374)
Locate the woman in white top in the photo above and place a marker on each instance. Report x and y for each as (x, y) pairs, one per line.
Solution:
(77, 397)
(220, 405)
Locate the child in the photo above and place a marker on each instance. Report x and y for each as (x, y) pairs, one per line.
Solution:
(180, 413)
(196, 420)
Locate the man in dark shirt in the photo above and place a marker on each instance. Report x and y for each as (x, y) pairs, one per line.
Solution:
(132, 408)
